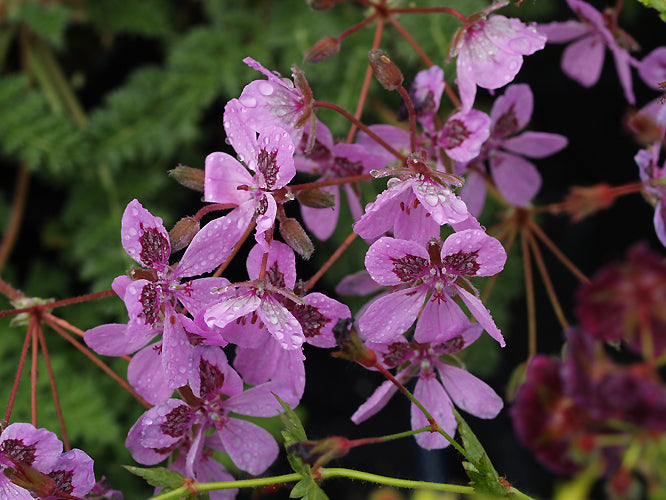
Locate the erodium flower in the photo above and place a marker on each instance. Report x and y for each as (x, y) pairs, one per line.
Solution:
(277, 101)
(453, 386)
(265, 165)
(583, 59)
(490, 52)
(425, 280)
(155, 295)
(32, 464)
(516, 178)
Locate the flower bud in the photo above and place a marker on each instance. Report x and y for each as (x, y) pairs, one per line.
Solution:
(316, 198)
(31, 479)
(386, 71)
(351, 346)
(322, 50)
(296, 237)
(318, 453)
(182, 233)
(189, 177)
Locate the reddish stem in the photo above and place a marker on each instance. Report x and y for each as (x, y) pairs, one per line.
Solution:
(16, 214)
(356, 27)
(89, 354)
(410, 40)
(529, 292)
(429, 10)
(34, 329)
(330, 182)
(213, 208)
(17, 380)
(54, 390)
(331, 260)
(363, 127)
(65, 302)
(558, 253)
(412, 117)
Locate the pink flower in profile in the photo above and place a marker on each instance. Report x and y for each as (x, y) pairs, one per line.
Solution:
(583, 59)
(490, 52)
(425, 280)
(277, 101)
(516, 178)
(453, 386)
(268, 166)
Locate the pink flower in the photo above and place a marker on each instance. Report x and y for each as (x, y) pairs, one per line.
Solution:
(22, 446)
(429, 273)
(490, 53)
(516, 178)
(277, 101)
(152, 298)
(269, 159)
(583, 59)
(650, 172)
(454, 385)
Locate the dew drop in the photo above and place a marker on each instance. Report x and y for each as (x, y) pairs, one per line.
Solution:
(248, 101)
(431, 199)
(265, 88)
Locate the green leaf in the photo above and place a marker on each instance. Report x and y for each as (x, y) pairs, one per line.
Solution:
(308, 489)
(293, 428)
(481, 472)
(660, 5)
(158, 476)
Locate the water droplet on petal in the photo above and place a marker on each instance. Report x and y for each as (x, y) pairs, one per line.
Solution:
(248, 101)
(265, 88)
(431, 199)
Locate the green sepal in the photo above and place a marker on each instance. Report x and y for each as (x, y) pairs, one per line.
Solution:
(293, 432)
(482, 474)
(160, 477)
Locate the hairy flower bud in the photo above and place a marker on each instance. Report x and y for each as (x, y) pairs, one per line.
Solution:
(316, 198)
(31, 479)
(189, 177)
(322, 50)
(320, 452)
(296, 237)
(386, 71)
(182, 233)
(351, 345)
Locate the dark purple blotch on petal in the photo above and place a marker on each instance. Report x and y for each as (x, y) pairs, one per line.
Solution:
(177, 421)
(462, 263)
(267, 165)
(14, 448)
(150, 302)
(409, 267)
(63, 480)
(155, 248)
(212, 378)
(274, 276)
(455, 133)
(399, 352)
(507, 124)
(344, 167)
(311, 320)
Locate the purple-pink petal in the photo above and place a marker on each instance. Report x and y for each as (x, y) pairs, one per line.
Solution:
(583, 59)
(389, 316)
(393, 262)
(280, 267)
(118, 340)
(473, 252)
(562, 32)
(535, 144)
(146, 374)
(512, 110)
(322, 221)
(441, 320)
(176, 349)
(517, 179)
(77, 467)
(223, 175)
(481, 314)
(652, 68)
(39, 448)
(250, 447)
(232, 307)
(280, 323)
(432, 396)
(469, 393)
(143, 237)
(375, 402)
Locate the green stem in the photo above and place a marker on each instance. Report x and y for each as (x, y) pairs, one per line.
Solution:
(390, 481)
(389, 437)
(194, 487)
